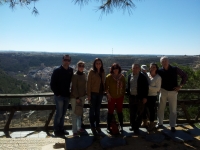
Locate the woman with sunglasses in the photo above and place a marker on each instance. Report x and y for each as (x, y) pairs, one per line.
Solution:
(78, 95)
(95, 91)
(115, 89)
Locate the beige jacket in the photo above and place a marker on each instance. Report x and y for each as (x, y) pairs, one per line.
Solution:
(94, 81)
(78, 85)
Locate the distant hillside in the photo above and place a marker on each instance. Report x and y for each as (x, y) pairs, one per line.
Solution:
(9, 85)
(23, 61)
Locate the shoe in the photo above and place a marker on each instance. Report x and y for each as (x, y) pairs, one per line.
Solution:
(121, 129)
(136, 131)
(75, 134)
(173, 129)
(82, 126)
(131, 129)
(159, 126)
(93, 131)
(98, 129)
(58, 134)
(108, 131)
(64, 132)
(81, 130)
(145, 123)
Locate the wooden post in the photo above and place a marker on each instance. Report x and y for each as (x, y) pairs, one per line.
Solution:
(6, 128)
(185, 111)
(49, 119)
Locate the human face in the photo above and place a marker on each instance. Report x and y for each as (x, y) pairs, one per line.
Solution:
(153, 69)
(66, 61)
(81, 67)
(165, 63)
(98, 64)
(135, 69)
(116, 71)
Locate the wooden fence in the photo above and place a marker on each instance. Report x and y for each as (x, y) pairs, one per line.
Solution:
(12, 109)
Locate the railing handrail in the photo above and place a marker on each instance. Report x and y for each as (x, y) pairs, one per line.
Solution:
(13, 109)
(51, 94)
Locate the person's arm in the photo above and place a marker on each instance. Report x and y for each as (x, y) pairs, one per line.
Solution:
(183, 76)
(107, 87)
(106, 84)
(145, 88)
(53, 83)
(128, 86)
(89, 85)
(75, 86)
(124, 85)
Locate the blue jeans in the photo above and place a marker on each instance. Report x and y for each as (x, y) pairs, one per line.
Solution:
(76, 120)
(61, 108)
(94, 115)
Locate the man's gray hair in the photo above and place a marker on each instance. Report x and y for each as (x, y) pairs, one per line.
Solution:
(163, 57)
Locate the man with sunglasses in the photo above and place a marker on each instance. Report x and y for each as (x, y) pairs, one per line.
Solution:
(60, 85)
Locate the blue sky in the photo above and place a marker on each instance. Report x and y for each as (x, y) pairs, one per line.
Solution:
(168, 27)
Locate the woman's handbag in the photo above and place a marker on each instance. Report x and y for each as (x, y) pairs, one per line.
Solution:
(79, 109)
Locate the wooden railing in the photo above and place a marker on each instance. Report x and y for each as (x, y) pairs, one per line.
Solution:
(12, 109)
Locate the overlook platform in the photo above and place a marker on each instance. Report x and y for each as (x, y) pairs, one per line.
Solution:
(188, 139)
(28, 134)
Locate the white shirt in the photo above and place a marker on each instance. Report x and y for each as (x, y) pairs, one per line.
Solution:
(154, 84)
(133, 84)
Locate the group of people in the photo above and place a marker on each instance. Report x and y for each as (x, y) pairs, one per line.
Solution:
(142, 89)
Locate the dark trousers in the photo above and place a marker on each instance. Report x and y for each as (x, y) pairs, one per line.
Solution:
(94, 113)
(136, 108)
(150, 108)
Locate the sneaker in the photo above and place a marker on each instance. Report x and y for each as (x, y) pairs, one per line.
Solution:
(81, 130)
(75, 134)
(173, 129)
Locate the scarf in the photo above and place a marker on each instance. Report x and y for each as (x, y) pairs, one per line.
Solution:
(119, 82)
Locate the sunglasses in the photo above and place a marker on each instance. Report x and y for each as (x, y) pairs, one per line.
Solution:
(67, 60)
(81, 66)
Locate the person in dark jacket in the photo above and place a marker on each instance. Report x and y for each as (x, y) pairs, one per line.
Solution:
(137, 90)
(60, 85)
(169, 91)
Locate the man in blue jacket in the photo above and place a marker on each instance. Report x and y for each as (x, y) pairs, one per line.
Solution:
(137, 90)
(60, 85)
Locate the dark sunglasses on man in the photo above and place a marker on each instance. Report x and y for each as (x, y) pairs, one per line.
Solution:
(67, 60)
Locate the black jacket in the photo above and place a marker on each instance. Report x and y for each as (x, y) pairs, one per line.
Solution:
(169, 78)
(142, 86)
(60, 81)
